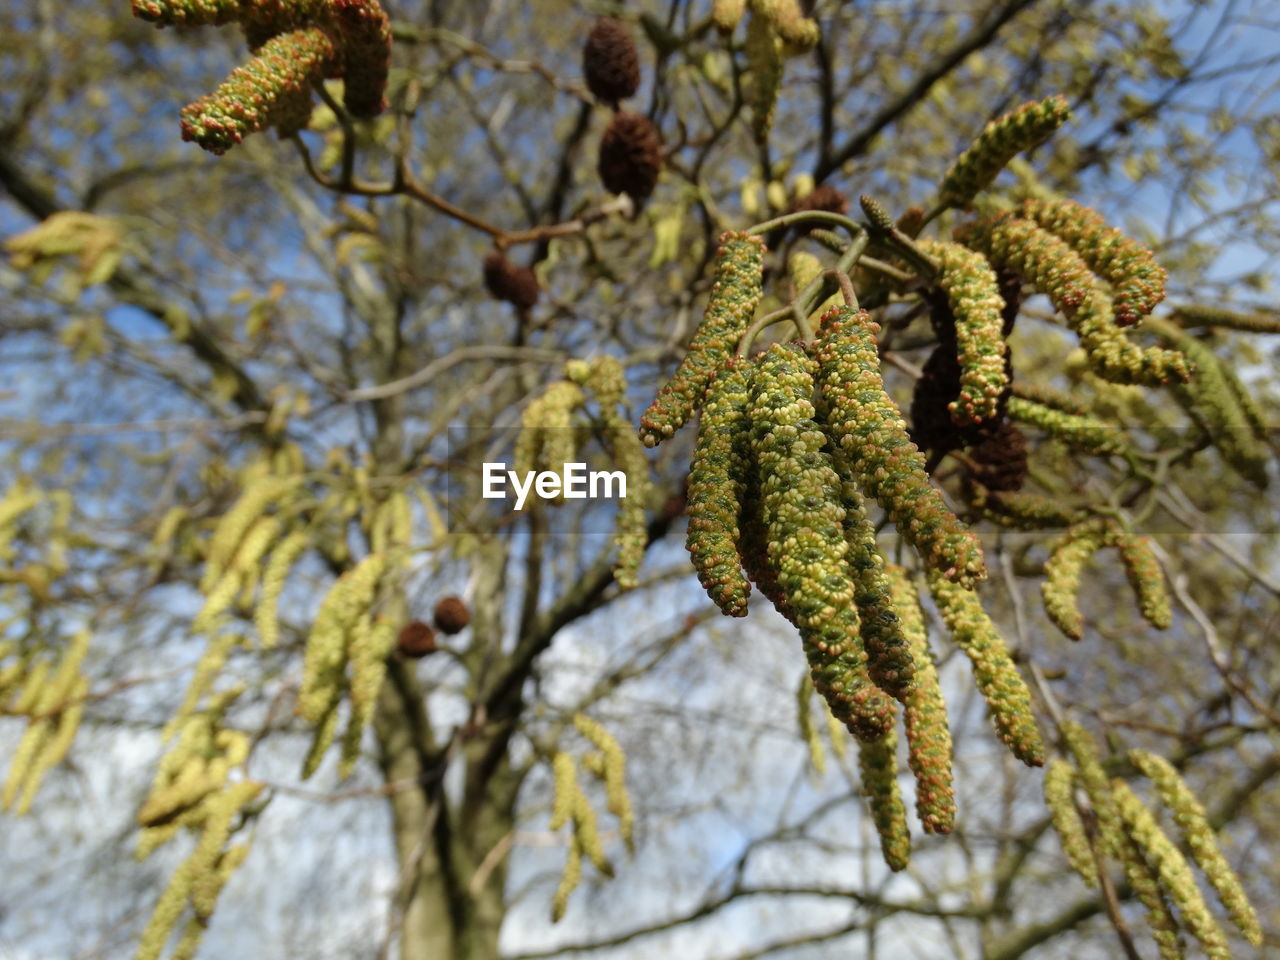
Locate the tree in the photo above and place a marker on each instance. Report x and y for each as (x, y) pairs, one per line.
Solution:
(253, 393)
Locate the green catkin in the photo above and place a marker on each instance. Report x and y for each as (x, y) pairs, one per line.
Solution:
(327, 646)
(865, 422)
(924, 715)
(1019, 510)
(1000, 141)
(1083, 432)
(236, 522)
(1094, 780)
(804, 268)
(753, 547)
(1171, 869)
(808, 731)
(1193, 821)
(613, 770)
(973, 293)
(727, 13)
(1192, 315)
(788, 19)
(800, 506)
(1146, 578)
(765, 67)
(547, 437)
(889, 658)
(717, 487)
(283, 557)
(739, 270)
(878, 764)
(1160, 918)
(569, 880)
(207, 670)
(1047, 262)
(267, 91)
(1115, 358)
(1061, 587)
(997, 678)
(1214, 398)
(187, 13)
(565, 798)
(1137, 281)
(1048, 396)
(325, 729)
(1059, 797)
(371, 643)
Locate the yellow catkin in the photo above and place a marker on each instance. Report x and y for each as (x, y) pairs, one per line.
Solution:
(878, 762)
(614, 772)
(1094, 780)
(326, 728)
(24, 760)
(248, 558)
(566, 790)
(1193, 821)
(809, 732)
(569, 880)
(804, 268)
(237, 521)
(31, 688)
(274, 577)
(371, 644)
(1160, 918)
(1059, 797)
(326, 653)
(1172, 870)
(56, 746)
(162, 539)
(207, 670)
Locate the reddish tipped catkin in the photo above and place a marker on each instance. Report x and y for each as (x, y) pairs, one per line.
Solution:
(506, 281)
(717, 487)
(365, 33)
(800, 506)
(739, 281)
(610, 62)
(973, 294)
(924, 714)
(187, 13)
(1003, 139)
(993, 669)
(1146, 578)
(1113, 357)
(262, 93)
(1047, 262)
(630, 156)
(865, 422)
(1137, 281)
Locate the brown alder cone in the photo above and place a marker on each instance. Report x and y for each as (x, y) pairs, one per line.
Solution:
(1001, 459)
(451, 615)
(630, 156)
(507, 281)
(610, 62)
(416, 639)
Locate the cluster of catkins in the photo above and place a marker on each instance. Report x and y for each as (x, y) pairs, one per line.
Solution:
(554, 426)
(790, 442)
(296, 44)
(1122, 828)
(571, 807)
(775, 29)
(195, 790)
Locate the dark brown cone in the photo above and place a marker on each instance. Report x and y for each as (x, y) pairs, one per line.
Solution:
(1001, 459)
(610, 62)
(912, 221)
(931, 426)
(824, 197)
(630, 156)
(506, 281)
(416, 639)
(451, 615)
